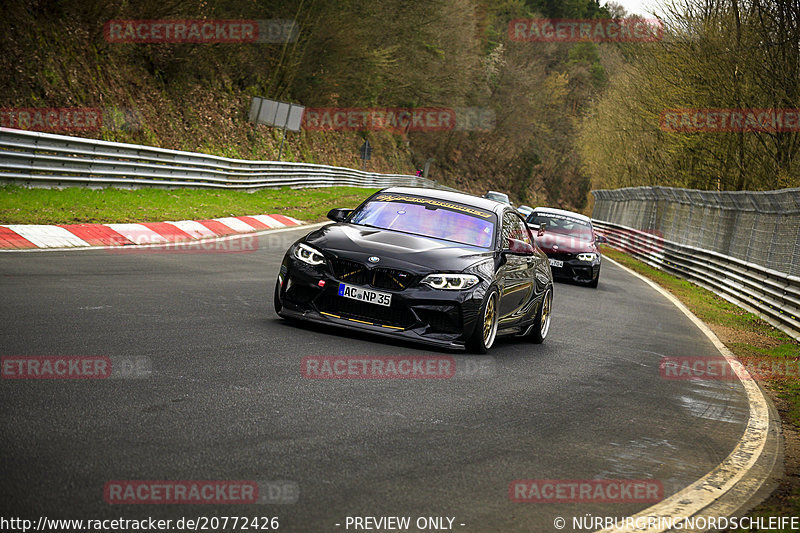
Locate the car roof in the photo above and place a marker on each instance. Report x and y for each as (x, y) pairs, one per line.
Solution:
(451, 196)
(564, 212)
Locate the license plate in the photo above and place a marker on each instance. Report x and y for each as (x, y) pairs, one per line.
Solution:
(556, 263)
(365, 295)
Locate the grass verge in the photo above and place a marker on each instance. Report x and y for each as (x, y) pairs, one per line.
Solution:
(19, 205)
(759, 346)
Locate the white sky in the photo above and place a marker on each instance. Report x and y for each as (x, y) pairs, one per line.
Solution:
(639, 7)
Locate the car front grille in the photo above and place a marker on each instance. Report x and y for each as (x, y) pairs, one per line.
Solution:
(395, 315)
(380, 278)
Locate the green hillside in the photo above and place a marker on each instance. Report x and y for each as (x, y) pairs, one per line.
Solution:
(352, 54)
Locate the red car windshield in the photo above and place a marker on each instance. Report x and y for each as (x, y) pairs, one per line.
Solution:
(565, 225)
(428, 217)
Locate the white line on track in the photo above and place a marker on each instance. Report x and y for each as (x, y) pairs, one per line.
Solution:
(693, 499)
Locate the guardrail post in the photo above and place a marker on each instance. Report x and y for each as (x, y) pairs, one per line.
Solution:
(794, 267)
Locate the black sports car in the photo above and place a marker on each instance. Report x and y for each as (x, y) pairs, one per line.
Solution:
(570, 243)
(438, 267)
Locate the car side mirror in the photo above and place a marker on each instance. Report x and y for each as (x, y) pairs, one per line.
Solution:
(503, 256)
(339, 214)
(601, 239)
(518, 247)
(542, 228)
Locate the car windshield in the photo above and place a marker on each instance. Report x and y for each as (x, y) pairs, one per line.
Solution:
(563, 224)
(498, 197)
(428, 217)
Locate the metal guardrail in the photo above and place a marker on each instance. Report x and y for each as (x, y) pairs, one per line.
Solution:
(772, 295)
(35, 159)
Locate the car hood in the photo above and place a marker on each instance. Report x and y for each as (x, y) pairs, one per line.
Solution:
(395, 249)
(559, 243)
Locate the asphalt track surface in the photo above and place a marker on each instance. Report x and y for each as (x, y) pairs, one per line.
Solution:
(226, 399)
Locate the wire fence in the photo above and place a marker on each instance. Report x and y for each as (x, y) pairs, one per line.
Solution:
(744, 246)
(757, 227)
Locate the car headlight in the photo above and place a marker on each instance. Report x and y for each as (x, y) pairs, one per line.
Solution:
(587, 257)
(309, 255)
(450, 282)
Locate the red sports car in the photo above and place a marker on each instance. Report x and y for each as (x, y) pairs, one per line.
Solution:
(570, 243)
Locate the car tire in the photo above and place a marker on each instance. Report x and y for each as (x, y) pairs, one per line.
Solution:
(594, 282)
(541, 326)
(485, 332)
